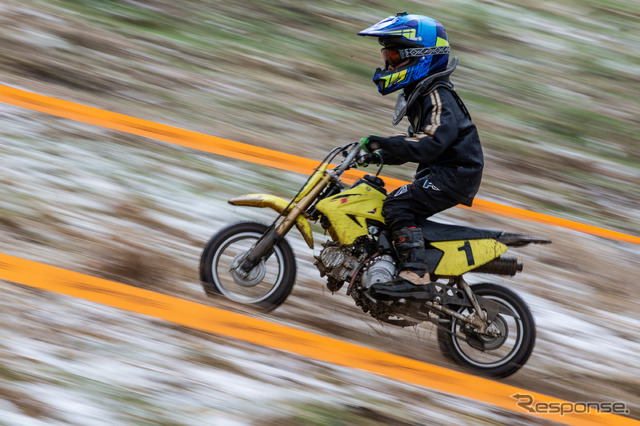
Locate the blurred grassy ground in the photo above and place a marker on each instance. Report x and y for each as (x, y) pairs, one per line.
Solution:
(553, 86)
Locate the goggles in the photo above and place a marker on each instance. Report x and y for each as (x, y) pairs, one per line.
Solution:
(393, 57)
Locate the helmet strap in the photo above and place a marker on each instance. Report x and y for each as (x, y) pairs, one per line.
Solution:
(425, 51)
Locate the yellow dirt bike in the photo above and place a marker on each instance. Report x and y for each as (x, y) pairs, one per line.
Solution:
(485, 327)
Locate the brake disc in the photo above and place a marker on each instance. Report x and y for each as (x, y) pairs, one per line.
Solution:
(250, 278)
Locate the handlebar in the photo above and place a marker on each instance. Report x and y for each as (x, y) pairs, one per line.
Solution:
(354, 156)
(350, 159)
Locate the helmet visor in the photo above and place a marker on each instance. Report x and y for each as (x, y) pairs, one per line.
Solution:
(393, 57)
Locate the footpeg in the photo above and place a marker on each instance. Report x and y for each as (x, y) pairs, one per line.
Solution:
(401, 289)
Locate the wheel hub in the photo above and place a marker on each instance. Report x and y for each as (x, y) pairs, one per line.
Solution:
(499, 334)
(250, 278)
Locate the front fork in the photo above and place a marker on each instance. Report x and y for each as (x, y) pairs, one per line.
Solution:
(264, 247)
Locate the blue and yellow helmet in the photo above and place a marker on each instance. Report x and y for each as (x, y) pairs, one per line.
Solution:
(414, 47)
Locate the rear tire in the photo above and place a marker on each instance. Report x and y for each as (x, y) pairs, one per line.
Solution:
(502, 356)
(267, 285)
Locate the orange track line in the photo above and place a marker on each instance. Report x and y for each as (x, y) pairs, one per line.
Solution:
(281, 337)
(254, 154)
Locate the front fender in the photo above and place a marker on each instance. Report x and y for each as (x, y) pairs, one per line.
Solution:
(278, 204)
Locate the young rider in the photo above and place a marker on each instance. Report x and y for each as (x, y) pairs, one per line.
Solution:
(441, 137)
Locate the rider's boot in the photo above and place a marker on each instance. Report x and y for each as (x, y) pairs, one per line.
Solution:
(409, 245)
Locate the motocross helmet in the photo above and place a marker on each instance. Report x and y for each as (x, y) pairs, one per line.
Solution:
(414, 47)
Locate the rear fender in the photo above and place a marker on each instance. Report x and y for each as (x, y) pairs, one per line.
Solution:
(462, 256)
(279, 205)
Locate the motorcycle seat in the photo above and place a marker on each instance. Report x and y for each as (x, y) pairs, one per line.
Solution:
(435, 231)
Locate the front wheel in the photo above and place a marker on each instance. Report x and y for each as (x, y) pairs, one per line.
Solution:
(502, 353)
(265, 286)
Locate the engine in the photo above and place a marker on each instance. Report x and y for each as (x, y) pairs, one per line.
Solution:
(339, 263)
(381, 270)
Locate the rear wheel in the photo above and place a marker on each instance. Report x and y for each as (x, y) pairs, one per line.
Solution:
(265, 287)
(502, 353)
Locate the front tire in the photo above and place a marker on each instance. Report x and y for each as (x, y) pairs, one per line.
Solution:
(494, 356)
(265, 287)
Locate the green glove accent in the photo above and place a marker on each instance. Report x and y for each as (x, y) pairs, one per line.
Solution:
(363, 144)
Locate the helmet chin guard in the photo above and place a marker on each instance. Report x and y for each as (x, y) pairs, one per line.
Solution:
(419, 39)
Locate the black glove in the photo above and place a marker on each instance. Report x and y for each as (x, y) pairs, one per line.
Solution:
(373, 158)
(374, 143)
(371, 143)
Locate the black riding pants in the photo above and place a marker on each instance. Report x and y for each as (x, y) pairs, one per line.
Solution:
(419, 199)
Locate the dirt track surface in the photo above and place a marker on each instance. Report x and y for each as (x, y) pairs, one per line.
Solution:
(138, 211)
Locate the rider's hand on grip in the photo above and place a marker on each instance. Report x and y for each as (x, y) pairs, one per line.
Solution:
(373, 158)
(365, 159)
(370, 144)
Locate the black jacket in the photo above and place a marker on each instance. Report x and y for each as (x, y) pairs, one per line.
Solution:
(446, 145)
